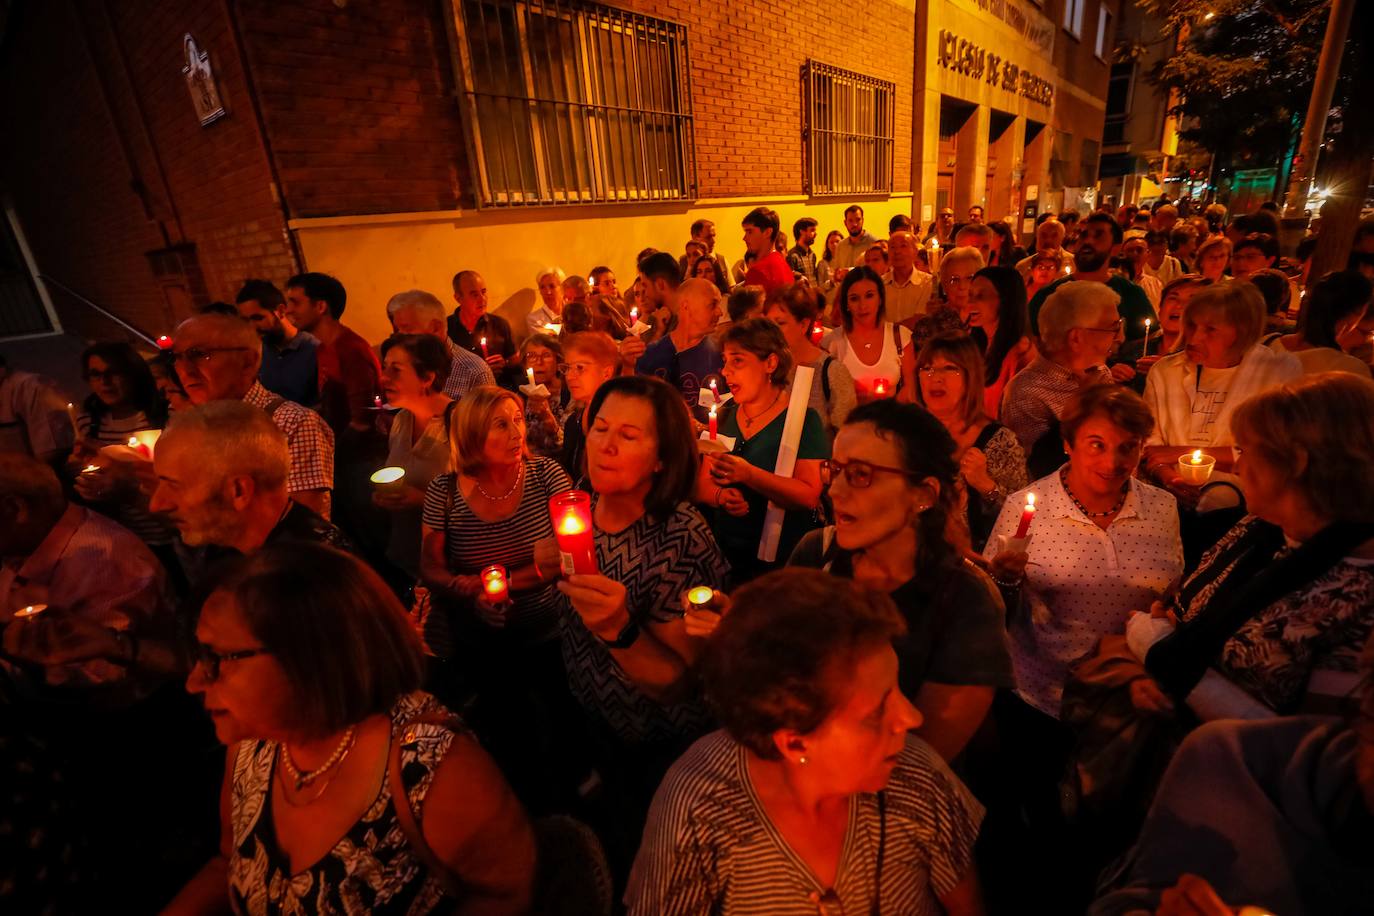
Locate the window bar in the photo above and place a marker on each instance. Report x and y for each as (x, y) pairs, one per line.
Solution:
(512, 110)
(526, 34)
(553, 20)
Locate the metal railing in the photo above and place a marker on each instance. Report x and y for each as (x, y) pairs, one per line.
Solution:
(137, 332)
(848, 133)
(575, 103)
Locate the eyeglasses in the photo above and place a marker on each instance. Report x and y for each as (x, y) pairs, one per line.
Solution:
(211, 660)
(946, 371)
(200, 354)
(1114, 329)
(956, 280)
(534, 356)
(575, 368)
(858, 474)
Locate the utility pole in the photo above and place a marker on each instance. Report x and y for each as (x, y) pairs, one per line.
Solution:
(1314, 127)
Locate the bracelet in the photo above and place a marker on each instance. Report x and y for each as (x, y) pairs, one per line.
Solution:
(625, 638)
(1009, 586)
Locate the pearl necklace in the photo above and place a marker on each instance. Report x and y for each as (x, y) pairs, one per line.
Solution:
(1064, 479)
(496, 499)
(304, 779)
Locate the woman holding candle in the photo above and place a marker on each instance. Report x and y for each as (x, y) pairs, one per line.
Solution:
(796, 312)
(346, 788)
(1194, 393)
(549, 282)
(625, 646)
(893, 481)
(868, 345)
(815, 797)
(991, 461)
(545, 417)
(414, 368)
(741, 484)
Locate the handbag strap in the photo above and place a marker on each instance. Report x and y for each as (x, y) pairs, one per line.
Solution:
(403, 734)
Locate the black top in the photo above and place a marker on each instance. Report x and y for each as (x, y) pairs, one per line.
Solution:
(955, 632)
(574, 451)
(500, 342)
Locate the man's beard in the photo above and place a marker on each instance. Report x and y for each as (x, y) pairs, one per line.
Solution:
(216, 523)
(855, 233)
(1089, 260)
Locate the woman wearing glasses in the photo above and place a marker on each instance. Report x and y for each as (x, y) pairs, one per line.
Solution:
(545, 416)
(893, 482)
(592, 360)
(346, 788)
(991, 463)
(814, 798)
(742, 482)
(1193, 394)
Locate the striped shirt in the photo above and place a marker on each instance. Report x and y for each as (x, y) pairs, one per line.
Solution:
(472, 544)
(309, 439)
(656, 560)
(117, 431)
(709, 846)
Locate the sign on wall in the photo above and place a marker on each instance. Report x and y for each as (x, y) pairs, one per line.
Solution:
(200, 81)
(962, 56)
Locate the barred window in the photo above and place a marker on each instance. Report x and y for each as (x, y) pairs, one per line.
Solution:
(573, 102)
(847, 134)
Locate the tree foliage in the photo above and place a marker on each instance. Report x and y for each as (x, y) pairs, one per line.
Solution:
(1243, 76)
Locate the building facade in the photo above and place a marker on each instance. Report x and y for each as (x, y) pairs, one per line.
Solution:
(178, 149)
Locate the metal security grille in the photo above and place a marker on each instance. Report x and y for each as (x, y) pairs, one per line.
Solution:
(575, 103)
(848, 131)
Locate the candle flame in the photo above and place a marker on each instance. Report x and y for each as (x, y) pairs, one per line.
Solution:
(484, 341)
(571, 524)
(133, 442)
(1030, 501)
(1197, 457)
(713, 411)
(495, 584)
(934, 244)
(702, 594)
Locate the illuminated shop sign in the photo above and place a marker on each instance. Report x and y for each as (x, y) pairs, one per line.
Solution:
(961, 56)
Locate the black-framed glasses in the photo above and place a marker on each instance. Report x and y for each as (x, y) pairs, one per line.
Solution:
(210, 660)
(1116, 327)
(200, 354)
(946, 371)
(858, 474)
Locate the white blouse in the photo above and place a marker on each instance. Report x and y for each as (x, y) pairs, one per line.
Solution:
(888, 365)
(1083, 581)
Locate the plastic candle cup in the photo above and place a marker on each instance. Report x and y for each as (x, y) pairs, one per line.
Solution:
(28, 613)
(1196, 468)
(817, 332)
(701, 596)
(144, 441)
(634, 315)
(571, 513)
(1026, 515)
(164, 342)
(880, 387)
(388, 480)
(495, 587)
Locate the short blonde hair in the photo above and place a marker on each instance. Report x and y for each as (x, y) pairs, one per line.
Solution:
(1318, 433)
(1236, 304)
(962, 253)
(964, 352)
(1073, 305)
(467, 435)
(1208, 244)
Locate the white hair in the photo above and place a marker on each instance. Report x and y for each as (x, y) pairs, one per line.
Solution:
(962, 253)
(419, 301)
(232, 439)
(555, 272)
(1074, 305)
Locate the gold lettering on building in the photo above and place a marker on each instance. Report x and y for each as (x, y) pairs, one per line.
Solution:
(958, 55)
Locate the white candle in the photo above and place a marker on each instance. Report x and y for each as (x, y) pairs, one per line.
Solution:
(1147, 338)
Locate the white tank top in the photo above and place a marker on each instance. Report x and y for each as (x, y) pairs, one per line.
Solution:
(888, 366)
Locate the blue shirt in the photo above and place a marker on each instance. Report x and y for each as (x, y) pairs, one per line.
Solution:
(685, 371)
(292, 371)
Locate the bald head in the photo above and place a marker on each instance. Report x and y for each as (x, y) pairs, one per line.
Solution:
(697, 303)
(1049, 235)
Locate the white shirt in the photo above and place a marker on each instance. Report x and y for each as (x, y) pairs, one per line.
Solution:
(1171, 391)
(1084, 581)
(888, 366)
(906, 300)
(1152, 287)
(1323, 359)
(1169, 269)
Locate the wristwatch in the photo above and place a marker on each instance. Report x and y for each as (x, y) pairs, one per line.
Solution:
(626, 638)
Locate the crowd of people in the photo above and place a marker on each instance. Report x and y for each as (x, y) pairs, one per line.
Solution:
(914, 574)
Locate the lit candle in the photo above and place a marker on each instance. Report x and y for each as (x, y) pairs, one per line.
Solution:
(880, 387)
(714, 393)
(495, 588)
(33, 610)
(1196, 468)
(934, 257)
(634, 315)
(711, 419)
(90, 469)
(1197, 457)
(572, 527)
(1147, 338)
(817, 332)
(377, 401)
(147, 441)
(164, 342)
(1026, 515)
(483, 342)
(700, 596)
(142, 450)
(388, 479)
(71, 415)
(530, 374)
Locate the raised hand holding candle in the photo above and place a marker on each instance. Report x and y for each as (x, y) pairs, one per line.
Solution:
(495, 585)
(483, 343)
(711, 419)
(1026, 515)
(572, 528)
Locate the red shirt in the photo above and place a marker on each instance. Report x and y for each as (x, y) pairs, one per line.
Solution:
(771, 272)
(350, 378)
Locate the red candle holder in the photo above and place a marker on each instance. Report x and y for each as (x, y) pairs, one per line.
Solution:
(495, 585)
(572, 528)
(880, 387)
(164, 342)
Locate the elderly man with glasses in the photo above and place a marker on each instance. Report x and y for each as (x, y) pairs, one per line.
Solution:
(216, 358)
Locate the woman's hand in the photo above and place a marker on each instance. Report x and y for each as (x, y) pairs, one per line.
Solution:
(399, 500)
(547, 558)
(599, 601)
(1148, 698)
(974, 467)
(1122, 373)
(730, 470)
(497, 362)
(493, 615)
(1010, 565)
(732, 501)
(701, 620)
(465, 586)
(94, 486)
(55, 638)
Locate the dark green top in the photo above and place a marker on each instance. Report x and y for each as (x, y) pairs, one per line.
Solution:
(739, 536)
(1135, 305)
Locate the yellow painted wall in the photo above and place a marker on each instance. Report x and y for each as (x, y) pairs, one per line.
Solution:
(376, 256)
